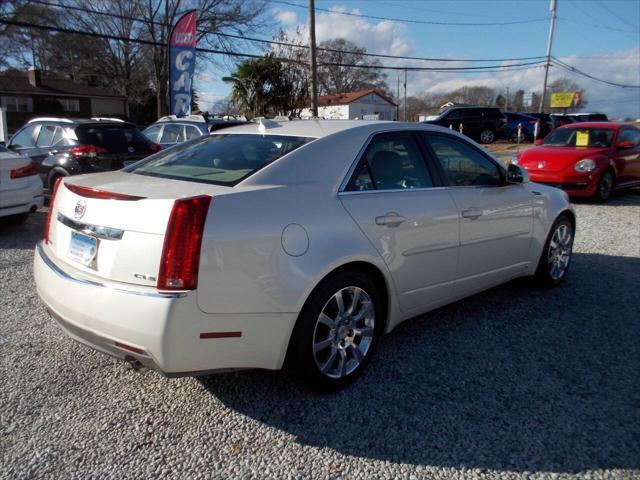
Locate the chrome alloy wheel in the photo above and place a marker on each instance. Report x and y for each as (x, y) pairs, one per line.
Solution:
(559, 254)
(343, 332)
(487, 136)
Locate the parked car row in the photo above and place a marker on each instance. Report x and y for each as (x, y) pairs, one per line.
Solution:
(487, 124)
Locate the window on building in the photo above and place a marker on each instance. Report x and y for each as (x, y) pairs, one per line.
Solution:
(69, 104)
(17, 104)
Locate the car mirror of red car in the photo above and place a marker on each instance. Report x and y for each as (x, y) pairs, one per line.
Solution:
(625, 145)
(539, 141)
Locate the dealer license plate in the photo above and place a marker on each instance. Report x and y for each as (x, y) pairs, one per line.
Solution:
(83, 248)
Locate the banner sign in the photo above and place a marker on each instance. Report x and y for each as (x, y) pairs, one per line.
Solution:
(182, 55)
(566, 99)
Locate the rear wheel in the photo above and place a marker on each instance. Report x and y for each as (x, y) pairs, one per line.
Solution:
(336, 332)
(487, 136)
(557, 253)
(605, 186)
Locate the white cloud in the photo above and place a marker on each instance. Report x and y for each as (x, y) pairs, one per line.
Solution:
(287, 17)
(620, 67)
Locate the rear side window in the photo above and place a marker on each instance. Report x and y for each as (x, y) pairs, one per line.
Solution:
(191, 132)
(45, 137)
(218, 159)
(113, 138)
(172, 133)
(392, 162)
(152, 132)
(464, 165)
(630, 135)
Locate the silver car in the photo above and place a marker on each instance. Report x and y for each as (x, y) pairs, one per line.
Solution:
(295, 244)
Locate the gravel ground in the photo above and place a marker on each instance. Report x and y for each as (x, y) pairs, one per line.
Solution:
(514, 383)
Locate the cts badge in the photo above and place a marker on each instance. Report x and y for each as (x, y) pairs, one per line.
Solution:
(81, 208)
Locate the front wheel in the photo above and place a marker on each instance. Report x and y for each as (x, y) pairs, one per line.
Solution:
(557, 253)
(605, 186)
(487, 136)
(336, 332)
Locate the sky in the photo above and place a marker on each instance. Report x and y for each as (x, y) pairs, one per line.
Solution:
(600, 37)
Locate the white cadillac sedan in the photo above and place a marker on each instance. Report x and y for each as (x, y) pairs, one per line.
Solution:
(20, 187)
(293, 244)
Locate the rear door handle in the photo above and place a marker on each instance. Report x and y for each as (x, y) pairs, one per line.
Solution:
(390, 219)
(472, 213)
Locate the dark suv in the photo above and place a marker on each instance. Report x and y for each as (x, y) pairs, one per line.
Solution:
(485, 124)
(60, 147)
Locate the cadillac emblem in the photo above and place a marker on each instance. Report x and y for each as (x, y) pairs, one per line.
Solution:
(81, 208)
(541, 165)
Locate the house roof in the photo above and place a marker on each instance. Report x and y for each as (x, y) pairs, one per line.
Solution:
(19, 83)
(349, 97)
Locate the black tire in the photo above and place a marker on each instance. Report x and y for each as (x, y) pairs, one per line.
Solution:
(301, 360)
(605, 186)
(544, 275)
(487, 136)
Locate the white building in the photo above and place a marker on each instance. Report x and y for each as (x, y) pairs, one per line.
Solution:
(365, 104)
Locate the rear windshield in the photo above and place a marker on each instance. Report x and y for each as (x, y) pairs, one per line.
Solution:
(114, 138)
(218, 159)
(579, 137)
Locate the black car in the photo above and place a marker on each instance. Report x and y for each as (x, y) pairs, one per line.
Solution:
(545, 125)
(485, 124)
(61, 147)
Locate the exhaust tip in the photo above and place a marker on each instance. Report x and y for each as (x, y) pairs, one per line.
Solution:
(134, 362)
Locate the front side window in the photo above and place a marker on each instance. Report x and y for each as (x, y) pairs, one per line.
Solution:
(191, 132)
(218, 159)
(391, 162)
(580, 137)
(629, 135)
(463, 165)
(24, 138)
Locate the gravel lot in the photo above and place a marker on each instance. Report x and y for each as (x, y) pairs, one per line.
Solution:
(513, 383)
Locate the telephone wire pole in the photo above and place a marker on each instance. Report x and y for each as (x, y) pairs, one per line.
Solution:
(312, 59)
(546, 67)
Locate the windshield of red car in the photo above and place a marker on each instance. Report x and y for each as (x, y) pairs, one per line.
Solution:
(580, 137)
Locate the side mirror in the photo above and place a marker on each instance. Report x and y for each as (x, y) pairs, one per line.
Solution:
(517, 174)
(538, 141)
(625, 145)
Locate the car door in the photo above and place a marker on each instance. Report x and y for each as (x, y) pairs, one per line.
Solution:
(496, 218)
(451, 119)
(628, 159)
(394, 197)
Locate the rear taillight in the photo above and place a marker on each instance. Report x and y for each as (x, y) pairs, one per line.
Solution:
(154, 148)
(181, 251)
(27, 171)
(52, 200)
(89, 151)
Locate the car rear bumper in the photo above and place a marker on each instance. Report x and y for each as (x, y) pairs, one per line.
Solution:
(22, 200)
(163, 332)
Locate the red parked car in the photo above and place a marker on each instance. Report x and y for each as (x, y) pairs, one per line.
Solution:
(588, 159)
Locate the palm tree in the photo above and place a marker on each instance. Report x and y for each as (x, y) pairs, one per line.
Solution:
(258, 86)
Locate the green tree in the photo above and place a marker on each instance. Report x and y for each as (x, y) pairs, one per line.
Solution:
(259, 87)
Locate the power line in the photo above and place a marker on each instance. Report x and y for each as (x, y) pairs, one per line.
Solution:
(409, 20)
(571, 68)
(286, 44)
(619, 17)
(487, 68)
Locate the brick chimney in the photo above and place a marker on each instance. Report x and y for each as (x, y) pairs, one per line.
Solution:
(35, 77)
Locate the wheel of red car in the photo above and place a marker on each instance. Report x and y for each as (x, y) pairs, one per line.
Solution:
(605, 186)
(487, 136)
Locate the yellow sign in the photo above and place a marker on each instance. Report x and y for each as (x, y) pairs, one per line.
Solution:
(582, 138)
(566, 99)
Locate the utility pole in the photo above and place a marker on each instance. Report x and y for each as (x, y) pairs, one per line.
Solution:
(404, 107)
(398, 101)
(546, 67)
(312, 59)
(506, 102)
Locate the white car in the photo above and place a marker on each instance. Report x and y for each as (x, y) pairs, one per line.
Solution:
(20, 187)
(292, 244)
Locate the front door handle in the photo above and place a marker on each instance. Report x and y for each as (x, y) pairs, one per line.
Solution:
(472, 213)
(391, 219)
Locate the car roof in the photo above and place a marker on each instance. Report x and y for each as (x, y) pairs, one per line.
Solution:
(308, 128)
(609, 125)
